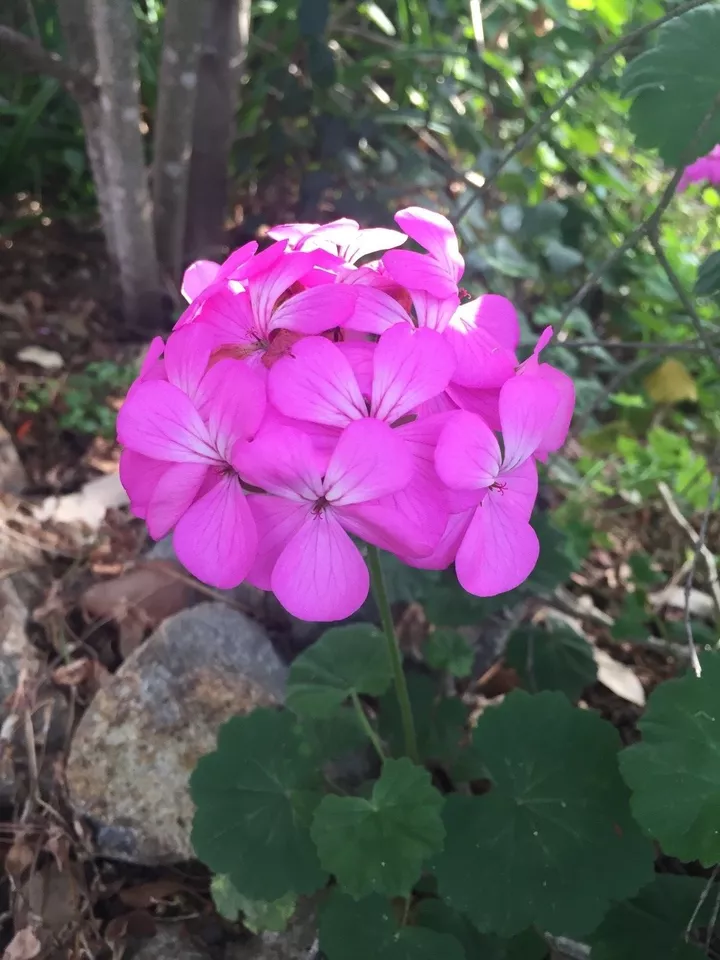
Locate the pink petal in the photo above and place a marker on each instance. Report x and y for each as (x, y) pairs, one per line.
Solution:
(266, 288)
(139, 476)
(370, 241)
(283, 461)
(173, 495)
(160, 421)
(481, 362)
(418, 271)
(447, 547)
(277, 521)
(375, 311)
(228, 313)
(231, 400)
(216, 539)
(316, 383)
(498, 317)
(369, 461)
(432, 312)
(556, 430)
(244, 263)
(360, 355)
(484, 403)
(527, 406)
(187, 354)
(391, 524)
(468, 455)
(197, 277)
(292, 232)
(498, 552)
(518, 489)
(318, 309)
(154, 352)
(434, 232)
(320, 575)
(410, 367)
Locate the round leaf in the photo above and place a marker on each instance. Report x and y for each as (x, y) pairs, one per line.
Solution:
(674, 85)
(447, 649)
(553, 842)
(255, 797)
(674, 773)
(345, 660)
(557, 659)
(379, 845)
(351, 930)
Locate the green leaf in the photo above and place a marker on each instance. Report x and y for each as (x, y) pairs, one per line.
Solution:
(448, 650)
(379, 845)
(436, 915)
(255, 797)
(555, 659)
(653, 923)
(258, 915)
(439, 721)
(313, 17)
(345, 660)
(228, 902)
(351, 930)
(553, 843)
(674, 773)
(708, 277)
(632, 622)
(674, 86)
(560, 257)
(332, 737)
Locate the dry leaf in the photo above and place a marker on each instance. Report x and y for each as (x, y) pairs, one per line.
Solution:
(88, 506)
(20, 857)
(23, 946)
(147, 894)
(52, 895)
(47, 359)
(618, 678)
(671, 382)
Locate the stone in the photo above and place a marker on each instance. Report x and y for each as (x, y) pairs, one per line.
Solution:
(13, 478)
(297, 942)
(143, 733)
(169, 943)
(16, 650)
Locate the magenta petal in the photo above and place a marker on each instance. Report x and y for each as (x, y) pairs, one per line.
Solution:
(173, 495)
(227, 312)
(139, 476)
(277, 521)
(231, 400)
(316, 382)
(243, 262)
(498, 317)
(518, 489)
(527, 405)
(282, 460)
(557, 428)
(484, 403)
(467, 455)
(410, 367)
(481, 361)
(369, 461)
(154, 352)
(372, 240)
(434, 232)
(160, 421)
(267, 287)
(198, 277)
(498, 552)
(216, 539)
(320, 575)
(418, 271)
(318, 309)
(432, 312)
(375, 311)
(187, 354)
(447, 547)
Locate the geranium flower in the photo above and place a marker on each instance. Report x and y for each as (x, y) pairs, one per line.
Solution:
(706, 168)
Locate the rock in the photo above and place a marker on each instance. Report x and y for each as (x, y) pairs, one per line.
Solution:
(15, 647)
(298, 942)
(13, 478)
(169, 943)
(143, 733)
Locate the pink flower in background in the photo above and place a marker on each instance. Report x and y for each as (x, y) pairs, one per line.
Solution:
(705, 169)
(303, 399)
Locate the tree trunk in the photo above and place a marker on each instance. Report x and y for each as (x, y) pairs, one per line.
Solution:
(225, 40)
(80, 47)
(121, 146)
(172, 143)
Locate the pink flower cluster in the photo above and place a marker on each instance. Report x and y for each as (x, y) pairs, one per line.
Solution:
(705, 169)
(304, 400)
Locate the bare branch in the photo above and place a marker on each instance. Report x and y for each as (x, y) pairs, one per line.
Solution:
(592, 71)
(32, 56)
(628, 345)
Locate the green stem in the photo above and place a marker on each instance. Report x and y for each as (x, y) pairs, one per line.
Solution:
(401, 690)
(367, 726)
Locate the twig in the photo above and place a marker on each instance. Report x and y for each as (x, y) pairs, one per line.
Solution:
(628, 345)
(683, 296)
(36, 58)
(595, 67)
(701, 901)
(701, 549)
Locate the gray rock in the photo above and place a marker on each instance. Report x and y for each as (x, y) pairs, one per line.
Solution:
(15, 647)
(298, 942)
(13, 478)
(169, 944)
(143, 733)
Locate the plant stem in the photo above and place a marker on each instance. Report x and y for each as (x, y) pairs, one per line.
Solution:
(401, 690)
(367, 726)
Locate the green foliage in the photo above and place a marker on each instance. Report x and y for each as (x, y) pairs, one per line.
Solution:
(351, 930)
(257, 914)
(674, 773)
(436, 915)
(346, 660)
(439, 721)
(379, 845)
(707, 283)
(448, 650)
(255, 797)
(554, 659)
(552, 843)
(674, 87)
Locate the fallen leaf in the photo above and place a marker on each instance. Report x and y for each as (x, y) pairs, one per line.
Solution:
(618, 678)
(139, 600)
(54, 895)
(19, 857)
(136, 925)
(701, 604)
(49, 360)
(86, 670)
(147, 894)
(23, 946)
(14, 311)
(88, 506)
(671, 382)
